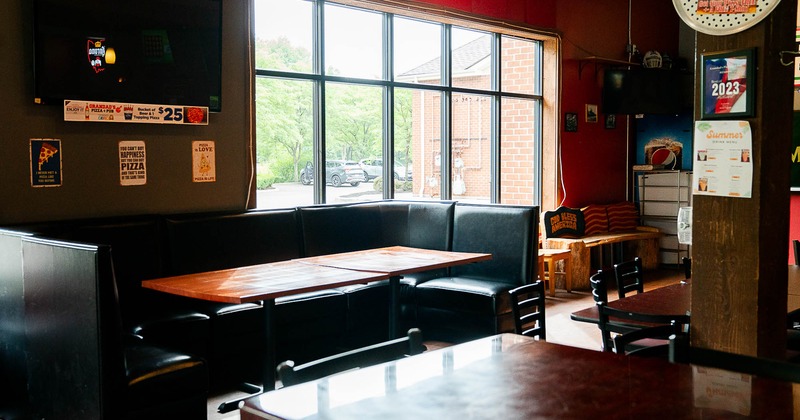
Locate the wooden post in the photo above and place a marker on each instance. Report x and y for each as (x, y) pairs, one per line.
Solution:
(739, 267)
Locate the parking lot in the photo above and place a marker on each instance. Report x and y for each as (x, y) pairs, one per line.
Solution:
(292, 194)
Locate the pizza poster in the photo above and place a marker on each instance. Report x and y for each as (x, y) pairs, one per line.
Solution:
(203, 161)
(46, 167)
(132, 163)
(723, 161)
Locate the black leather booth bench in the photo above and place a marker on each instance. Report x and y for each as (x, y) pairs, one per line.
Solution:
(450, 305)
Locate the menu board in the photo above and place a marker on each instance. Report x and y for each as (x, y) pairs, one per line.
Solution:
(723, 163)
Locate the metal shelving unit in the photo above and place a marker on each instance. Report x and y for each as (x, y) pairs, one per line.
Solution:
(659, 194)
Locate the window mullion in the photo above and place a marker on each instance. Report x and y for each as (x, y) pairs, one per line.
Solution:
(318, 148)
(388, 107)
(446, 134)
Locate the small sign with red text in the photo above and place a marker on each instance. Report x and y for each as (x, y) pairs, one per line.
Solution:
(203, 161)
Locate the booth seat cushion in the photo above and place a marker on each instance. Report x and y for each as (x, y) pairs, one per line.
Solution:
(457, 309)
(367, 313)
(162, 383)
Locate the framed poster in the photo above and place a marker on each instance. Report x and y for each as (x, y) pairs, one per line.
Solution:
(591, 113)
(727, 77)
(571, 122)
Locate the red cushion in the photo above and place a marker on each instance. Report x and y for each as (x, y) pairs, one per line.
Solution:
(595, 218)
(622, 216)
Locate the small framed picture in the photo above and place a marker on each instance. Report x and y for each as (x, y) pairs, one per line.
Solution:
(611, 121)
(728, 84)
(571, 122)
(591, 113)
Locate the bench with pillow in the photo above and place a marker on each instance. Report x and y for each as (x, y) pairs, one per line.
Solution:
(591, 227)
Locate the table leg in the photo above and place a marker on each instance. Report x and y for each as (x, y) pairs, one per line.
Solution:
(394, 306)
(551, 272)
(268, 373)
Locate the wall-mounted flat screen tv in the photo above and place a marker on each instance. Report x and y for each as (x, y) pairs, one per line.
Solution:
(144, 51)
(646, 91)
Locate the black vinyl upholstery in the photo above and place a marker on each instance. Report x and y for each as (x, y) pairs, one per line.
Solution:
(473, 300)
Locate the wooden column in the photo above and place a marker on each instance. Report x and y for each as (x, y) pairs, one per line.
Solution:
(739, 251)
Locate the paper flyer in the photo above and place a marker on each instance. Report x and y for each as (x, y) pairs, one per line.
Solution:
(723, 161)
(132, 163)
(203, 161)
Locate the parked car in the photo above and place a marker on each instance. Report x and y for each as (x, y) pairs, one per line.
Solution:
(374, 168)
(337, 172)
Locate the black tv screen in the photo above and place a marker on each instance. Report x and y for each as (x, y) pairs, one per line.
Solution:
(644, 91)
(145, 51)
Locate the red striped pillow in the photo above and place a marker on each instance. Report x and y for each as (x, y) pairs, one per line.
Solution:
(595, 218)
(622, 216)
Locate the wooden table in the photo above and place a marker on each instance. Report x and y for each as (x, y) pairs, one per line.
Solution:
(396, 261)
(265, 282)
(676, 299)
(514, 377)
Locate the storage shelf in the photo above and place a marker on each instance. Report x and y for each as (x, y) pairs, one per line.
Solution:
(665, 192)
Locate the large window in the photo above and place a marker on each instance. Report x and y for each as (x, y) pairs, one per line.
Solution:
(355, 104)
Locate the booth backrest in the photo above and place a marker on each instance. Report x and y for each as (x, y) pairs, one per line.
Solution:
(340, 228)
(13, 391)
(137, 254)
(74, 350)
(420, 224)
(196, 244)
(507, 232)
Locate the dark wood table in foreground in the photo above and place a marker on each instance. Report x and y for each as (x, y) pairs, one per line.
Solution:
(266, 282)
(514, 377)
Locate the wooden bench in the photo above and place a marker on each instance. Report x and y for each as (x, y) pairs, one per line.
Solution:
(564, 228)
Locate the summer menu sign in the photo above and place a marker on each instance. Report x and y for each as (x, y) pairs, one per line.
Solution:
(722, 159)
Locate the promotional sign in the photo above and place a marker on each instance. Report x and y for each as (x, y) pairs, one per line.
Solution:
(91, 111)
(45, 155)
(132, 163)
(723, 163)
(203, 161)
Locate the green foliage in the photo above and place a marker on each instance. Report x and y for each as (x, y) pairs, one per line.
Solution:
(264, 180)
(404, 186)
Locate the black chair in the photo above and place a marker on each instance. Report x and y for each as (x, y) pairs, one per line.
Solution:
(629, 275)
(289, 374)
(616, 321)
(528, 308)
(687, 267)
(648, 341)
(680, 351)
(796, 248)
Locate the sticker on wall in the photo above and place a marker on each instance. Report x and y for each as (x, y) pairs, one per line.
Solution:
(132, 163)
(203, 161)
(45, 162)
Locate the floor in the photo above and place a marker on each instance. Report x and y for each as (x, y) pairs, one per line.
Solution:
(560, 328)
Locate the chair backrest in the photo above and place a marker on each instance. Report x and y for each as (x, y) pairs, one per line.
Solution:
(640, 342)
(687, 267)
(796, 248)
(625, 322)
(598, 282)
(289, 374)
(630, 277)
(680, 351)
(528, 308)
